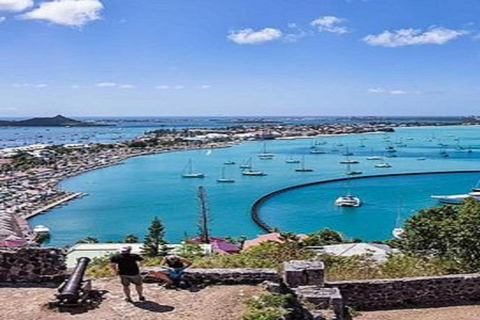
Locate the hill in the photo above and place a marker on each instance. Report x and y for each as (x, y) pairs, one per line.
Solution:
(57, 121)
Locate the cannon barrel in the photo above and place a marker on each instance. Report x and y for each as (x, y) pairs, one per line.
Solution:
(70, 291)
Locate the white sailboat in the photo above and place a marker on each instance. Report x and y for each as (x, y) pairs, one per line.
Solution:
(189, 173)
(247, 164)
(264, 155)
(292, 160)
(383, 164)
(348, 200)
(303, 168)
(250, 172)
(223, 178)
(398, 231)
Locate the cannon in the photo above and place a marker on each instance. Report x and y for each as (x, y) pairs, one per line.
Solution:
(75, 291)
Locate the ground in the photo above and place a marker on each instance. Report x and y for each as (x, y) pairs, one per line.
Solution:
(211, 303)
(445, 313)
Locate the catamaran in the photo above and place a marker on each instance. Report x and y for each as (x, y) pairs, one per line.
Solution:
(189, 171)
(459, 198)
(303, 168)
(348, 200)
(383, 164)
(223, 178)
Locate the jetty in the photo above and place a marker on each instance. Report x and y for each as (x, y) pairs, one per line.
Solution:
(68, 197)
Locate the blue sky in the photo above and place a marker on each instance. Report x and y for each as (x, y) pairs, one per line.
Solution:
(239, 57)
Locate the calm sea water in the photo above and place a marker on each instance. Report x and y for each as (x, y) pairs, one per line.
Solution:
(123, 199)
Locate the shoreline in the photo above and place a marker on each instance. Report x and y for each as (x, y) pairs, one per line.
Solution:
(109, 155)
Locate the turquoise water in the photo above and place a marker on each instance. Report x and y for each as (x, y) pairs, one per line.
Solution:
(123, 199)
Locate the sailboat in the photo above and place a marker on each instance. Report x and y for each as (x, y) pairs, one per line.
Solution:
(292, 160)
(223, 178)
(372, 157)
(264, 155)
(246, 164)
(347, 159)
(397, 232)
(383, 164)
(302, 168)
(351, 172)
(229, 162)
(250, 172)
(189, 171)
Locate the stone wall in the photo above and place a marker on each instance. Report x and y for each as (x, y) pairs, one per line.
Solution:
(225, 276)
(409, 292)
(32, 265)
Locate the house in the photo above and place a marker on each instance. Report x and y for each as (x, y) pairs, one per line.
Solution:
(272, 237)
(376, 251)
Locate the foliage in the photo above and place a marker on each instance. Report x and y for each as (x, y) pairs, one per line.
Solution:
(154, 244)
(131, 238)
(88, 240)
(395, 266)
(324, 237)
(447, 232)
(190, 251)
(265, 255)
(267, 306)
(100, 267)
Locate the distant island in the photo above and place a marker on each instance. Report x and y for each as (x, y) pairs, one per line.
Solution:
(57, 121)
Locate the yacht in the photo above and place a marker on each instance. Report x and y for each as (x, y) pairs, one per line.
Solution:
(459, 198)
(374, 158)
(224, 179)
(348, 201)
(229, 163)
(397, 233)
(190, 173)
(292, 160)
(41, 230)
(264, 155)
(383, 165)
(302, 168)
(246, 164)
(317, 151)
(250, 172)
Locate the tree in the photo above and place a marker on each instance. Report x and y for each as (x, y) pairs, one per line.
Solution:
(88, 240)
(154, 244)
(204, 217)
(324, 237)
(131, 238)
(447, 232)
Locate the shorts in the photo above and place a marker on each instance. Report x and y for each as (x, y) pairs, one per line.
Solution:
(126, 280)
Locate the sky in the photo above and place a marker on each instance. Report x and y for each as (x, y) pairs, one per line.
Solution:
(239, 57)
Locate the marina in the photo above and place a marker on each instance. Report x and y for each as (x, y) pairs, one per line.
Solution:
(150, 185)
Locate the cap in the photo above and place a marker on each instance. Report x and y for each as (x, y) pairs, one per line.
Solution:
(125, 249)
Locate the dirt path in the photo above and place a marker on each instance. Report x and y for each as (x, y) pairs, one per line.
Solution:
(446, 313)
(211, 303)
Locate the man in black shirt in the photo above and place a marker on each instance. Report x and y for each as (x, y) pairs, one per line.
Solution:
(125, 265)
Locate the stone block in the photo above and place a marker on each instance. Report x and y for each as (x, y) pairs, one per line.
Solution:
(303, 273)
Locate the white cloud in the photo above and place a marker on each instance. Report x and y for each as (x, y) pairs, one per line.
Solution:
(330, 24)
(2, 19)
(162, 87)
(250, 36)
(30, 85)
(393, 92)
(15, 5)
(106, 84)
(205, 87)
(75, 86)
(126, 86)
(407, 37)
(179, 87)
(73, 13)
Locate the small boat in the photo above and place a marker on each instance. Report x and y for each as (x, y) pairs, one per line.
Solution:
(374, 158)
(190, 173)
(317, 151)
(41, 230)
(229, 163)
(292, 160)
(459, 198)
(348, 201)
(302, 168)
(353, 173)
(348, 161)
(398, 231)
(421, 159)
(383, 165)
(250, 172)
(224, 179)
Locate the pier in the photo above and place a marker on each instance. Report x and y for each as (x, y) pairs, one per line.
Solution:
(255, 209)
(58, 202)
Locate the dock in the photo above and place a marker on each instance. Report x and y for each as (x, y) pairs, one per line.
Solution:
(58, 202)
